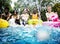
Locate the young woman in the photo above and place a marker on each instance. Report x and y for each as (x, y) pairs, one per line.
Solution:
(35, 15)
(24, 17)
(51, 16)
(15, 18)
(35, 19)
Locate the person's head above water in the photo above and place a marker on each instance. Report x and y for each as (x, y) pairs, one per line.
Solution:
(6, 9)
(34, 11)
(49, 8)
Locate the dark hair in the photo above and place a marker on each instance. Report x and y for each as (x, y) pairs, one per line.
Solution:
(15, 11)
(34, 11)
(6, 8)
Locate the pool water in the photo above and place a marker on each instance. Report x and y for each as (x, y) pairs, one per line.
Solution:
(30, 35)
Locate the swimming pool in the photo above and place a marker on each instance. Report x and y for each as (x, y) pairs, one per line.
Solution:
(30, 35)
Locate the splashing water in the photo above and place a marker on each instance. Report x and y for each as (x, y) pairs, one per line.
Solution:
(30, 35)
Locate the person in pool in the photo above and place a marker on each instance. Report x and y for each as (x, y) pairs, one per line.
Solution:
(35, 14)
(51, 16)
(35, 19)
(15, 17)
(24, 17)
(6, 15)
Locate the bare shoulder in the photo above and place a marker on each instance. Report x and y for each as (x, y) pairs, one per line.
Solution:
(10, 14)
(52, 12)
(3, 14)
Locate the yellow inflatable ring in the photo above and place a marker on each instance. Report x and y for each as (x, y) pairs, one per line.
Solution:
(34, 22)
(3, 23)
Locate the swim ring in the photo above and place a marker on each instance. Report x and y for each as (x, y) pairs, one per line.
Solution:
(34, 22)
(3, 23)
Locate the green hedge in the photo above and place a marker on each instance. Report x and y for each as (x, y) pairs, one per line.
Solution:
(56, 8)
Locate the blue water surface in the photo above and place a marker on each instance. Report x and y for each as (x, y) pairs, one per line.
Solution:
(28, 35)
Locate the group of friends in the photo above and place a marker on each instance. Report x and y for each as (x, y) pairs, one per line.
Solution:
(15, 18)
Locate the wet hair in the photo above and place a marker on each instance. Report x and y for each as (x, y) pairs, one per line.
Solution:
(34, 11)
(15, 11)
(10, 16)
(6, 8)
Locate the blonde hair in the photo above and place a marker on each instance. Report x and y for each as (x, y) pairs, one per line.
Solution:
(49, 6)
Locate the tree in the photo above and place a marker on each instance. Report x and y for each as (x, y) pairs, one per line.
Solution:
(3, 4)
(56, 8)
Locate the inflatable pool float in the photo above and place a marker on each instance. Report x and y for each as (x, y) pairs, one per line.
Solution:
(55, 22)
(35, 22)
(54, 18)
(52, 24)
(3, 23)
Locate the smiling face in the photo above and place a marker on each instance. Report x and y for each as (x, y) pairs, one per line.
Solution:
(49, 9)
